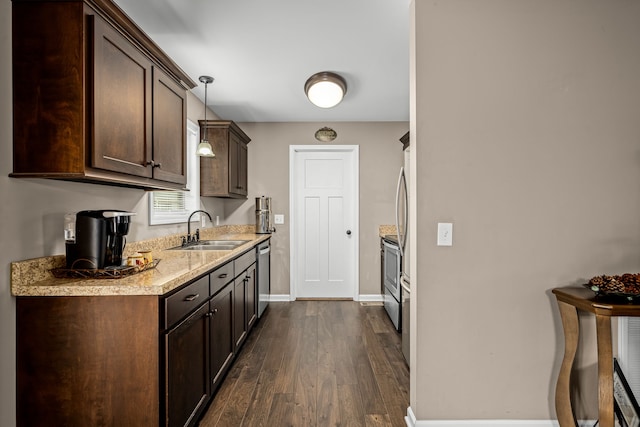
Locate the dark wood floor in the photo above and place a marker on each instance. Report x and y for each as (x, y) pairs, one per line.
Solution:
(316, 363)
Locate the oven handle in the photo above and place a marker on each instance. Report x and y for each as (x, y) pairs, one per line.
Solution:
(391, 246)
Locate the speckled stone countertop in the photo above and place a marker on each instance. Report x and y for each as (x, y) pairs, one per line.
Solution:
(33, 277)
(384, 230)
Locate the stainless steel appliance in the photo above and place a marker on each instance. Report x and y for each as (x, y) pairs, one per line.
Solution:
(98, 239)
(402, 229)
(264, 276)
(405, 317)
(392, 286)
(263, 215)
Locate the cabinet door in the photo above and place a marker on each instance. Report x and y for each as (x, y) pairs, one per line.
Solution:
(221, 335)
(234, 163)
(239, 317)
(187, 369)
(243, 153)
(237, 165)
(169, 129)
(251, 307)
(214, 172)
(121, 114)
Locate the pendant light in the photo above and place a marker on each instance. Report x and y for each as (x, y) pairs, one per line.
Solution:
(325, 89)
(204, 148)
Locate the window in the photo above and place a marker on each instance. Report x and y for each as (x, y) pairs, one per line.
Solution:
(169, 207)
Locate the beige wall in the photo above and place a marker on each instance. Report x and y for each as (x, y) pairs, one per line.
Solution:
(526, 118)
(380, 161)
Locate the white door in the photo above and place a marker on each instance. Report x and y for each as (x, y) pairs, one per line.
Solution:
(324, 221)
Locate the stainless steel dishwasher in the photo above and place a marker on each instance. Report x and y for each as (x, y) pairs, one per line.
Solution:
(264, 275)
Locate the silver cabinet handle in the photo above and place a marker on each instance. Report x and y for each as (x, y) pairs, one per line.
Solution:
(192, 297)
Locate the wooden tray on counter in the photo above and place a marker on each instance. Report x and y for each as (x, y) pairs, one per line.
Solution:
(106, 273)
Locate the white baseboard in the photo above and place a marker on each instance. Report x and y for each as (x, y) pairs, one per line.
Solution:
(411, 421)
(371, 298)
(279, 298)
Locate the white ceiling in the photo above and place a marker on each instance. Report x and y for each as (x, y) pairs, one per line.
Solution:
(261, 52)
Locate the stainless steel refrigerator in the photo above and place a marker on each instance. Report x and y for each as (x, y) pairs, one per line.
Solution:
(402, 229)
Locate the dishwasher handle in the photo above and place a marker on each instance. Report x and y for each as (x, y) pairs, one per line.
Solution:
(264, 251)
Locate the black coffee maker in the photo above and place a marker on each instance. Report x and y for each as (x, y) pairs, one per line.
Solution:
(100, 239)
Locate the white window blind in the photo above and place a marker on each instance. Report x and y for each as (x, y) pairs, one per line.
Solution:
(169, 201)
(170, 207)
(629, 351)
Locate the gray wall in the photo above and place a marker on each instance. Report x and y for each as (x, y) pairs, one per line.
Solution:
(526, 118)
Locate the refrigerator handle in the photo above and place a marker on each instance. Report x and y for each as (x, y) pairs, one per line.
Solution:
(405, 230)
(401, 180)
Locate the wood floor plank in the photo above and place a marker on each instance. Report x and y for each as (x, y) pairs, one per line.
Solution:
(236, 407)
(257, 413)
(377, 420)
(282, 408)
(306, 374)
(316, 363)
(328, 413)
(351, 409)
(375, 351)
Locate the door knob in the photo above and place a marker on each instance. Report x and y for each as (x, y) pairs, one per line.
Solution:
(348, 232)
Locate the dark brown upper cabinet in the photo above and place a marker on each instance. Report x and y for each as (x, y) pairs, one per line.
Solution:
(94, 99)
(405, 140)
(224, 175)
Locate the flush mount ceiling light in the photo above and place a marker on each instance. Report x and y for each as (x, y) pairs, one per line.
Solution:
(204, 148)
(325, 89)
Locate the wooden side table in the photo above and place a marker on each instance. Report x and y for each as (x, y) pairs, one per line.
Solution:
(570, 300)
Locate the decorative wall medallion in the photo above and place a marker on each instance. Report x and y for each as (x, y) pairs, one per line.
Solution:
(326, 134)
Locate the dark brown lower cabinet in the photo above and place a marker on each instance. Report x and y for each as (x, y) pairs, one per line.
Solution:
(245, 304)
(222, 344)
(87, 361)
(251, 302)
(132, 360)
(187, 367)
(239, 322)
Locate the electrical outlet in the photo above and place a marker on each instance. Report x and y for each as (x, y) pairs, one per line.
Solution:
(202, 221)
(278, 219)
(445, 234)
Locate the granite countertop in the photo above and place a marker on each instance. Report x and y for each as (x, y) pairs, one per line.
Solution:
(386, 230)
(176, 267)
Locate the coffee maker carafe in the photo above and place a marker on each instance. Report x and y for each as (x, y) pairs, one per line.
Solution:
(99, 239)
(117, 230)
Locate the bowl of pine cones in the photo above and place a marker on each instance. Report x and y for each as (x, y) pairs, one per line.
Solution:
(626, 286)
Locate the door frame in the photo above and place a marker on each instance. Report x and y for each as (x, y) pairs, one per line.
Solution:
(355, 229)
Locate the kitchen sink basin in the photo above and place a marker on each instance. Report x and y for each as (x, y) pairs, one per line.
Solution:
(212, 245)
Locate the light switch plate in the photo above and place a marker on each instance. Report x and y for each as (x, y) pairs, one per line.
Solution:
(278, 219)
(445, 234)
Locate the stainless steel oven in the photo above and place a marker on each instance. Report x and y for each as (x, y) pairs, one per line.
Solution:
(392, 287)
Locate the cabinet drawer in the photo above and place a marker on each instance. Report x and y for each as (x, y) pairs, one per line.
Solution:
(244, 261)
(220, 277)
(185, 300)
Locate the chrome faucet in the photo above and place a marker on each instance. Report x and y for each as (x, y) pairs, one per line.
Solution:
(196, 237)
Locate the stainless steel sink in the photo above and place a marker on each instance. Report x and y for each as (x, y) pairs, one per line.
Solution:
(212, 245)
